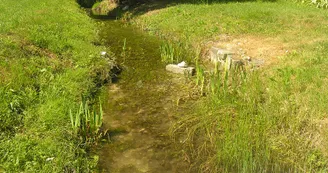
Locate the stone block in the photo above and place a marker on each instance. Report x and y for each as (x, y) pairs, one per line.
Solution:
(220, 55)
(180, 70)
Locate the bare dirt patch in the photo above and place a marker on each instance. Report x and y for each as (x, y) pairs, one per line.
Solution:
(267, 49)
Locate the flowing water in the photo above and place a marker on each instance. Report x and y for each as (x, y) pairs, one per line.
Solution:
(141, 107)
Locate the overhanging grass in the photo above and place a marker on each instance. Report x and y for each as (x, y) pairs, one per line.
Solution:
(275, 120)
(47, 62)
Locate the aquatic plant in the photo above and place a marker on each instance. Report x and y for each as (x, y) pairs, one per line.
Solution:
(87, 122)
(124, 51)
(167, 53)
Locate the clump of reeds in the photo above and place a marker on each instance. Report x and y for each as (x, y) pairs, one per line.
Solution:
(87, 122)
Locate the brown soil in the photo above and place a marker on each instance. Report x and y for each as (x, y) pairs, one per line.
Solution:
(261, 48)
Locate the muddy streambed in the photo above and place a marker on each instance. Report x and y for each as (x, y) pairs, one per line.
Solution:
(141, 107)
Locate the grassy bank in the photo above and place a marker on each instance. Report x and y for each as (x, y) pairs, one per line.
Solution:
(47, 61)
(270, 120)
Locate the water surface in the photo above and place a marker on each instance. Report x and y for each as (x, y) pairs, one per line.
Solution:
(141, 107)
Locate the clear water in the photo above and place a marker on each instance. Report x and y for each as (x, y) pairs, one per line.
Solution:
(141, 106)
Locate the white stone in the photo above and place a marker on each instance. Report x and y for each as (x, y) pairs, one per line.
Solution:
(103, 53)
(125, 8)
(182, 64)
(50, 159)
(220, 55)
(180, 70)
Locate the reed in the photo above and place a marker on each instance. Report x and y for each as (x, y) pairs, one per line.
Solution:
(167, 53)
(87, 122)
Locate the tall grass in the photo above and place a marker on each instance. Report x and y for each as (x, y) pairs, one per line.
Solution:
(268, 120)
(317, 3)
(175, 52)
(87, 122)
(124, 51)
(169, 53)
(247, 123)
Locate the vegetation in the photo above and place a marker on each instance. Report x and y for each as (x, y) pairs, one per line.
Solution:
(47, 61)
(87, 124)
(87, 3)
(272, 119)
(317, 3)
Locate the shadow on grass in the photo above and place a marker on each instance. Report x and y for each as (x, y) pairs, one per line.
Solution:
(140, 7)
(145, 6)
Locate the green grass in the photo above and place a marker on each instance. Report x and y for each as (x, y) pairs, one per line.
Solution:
(198, 23)
(270, 120)
(47, 61)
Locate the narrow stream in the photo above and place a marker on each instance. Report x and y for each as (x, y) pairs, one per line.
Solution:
(141, 106)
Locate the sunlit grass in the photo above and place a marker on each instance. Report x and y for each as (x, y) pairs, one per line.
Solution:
(47, 61)
(265, 120)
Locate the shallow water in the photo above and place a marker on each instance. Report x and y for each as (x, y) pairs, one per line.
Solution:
(141, 106)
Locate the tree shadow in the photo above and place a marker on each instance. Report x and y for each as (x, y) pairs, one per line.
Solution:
(140, 7)
(145, 7)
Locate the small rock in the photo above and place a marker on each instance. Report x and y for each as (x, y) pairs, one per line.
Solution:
(143, 130)
(247, 58)
(103, 53)
(180, 70)
(183, 64)
(49, 159)
(125, 8)
(220, 55)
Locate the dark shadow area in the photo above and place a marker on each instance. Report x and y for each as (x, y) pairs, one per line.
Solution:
(116, 71)
(116, 132)
(140, 7)
(86, 3)
(145, 6)
(151, 5)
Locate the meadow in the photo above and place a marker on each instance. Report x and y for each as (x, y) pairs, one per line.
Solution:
(269, 119)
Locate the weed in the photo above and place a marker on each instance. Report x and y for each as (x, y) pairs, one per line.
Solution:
(124, 51)
(87, 123)
(265, 120)
(168, 53)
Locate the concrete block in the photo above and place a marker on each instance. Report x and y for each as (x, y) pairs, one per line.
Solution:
(180, 70)
(220, 55)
